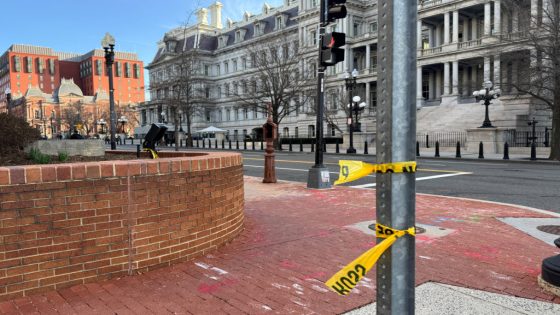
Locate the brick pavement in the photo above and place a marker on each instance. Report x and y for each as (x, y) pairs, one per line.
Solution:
(295, 239)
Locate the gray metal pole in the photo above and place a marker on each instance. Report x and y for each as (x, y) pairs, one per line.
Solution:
(318, 175)
(396, 131)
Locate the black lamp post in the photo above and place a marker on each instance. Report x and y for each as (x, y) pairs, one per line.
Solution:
(8, 99)
(355, 107)
(123, 120)
(181, 120)
(101, 122)
(487, 94)
(53, 115)
(350, 85)
(533, 123)
(108, 44)
(163, 117)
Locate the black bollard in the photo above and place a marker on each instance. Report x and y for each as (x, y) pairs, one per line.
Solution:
(437, 149)
(290, 148)
(197, 144)
(237, 144)
(533, 151)
(253, 145)
(138, 151)
(223, 144)
(324, 146)
(481, 150)
(506, 151)
(209, 144)
(280, 145)
(417, 148)
(203, 143)
(216, 143)
(337, 147)
(458, 150)
(546, 137)
(229, 144)
(365, 148)
(427, 141)
(300, 145)
(312, 146)
(261, 145)
(245, 145)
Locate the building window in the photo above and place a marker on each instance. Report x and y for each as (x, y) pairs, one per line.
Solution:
(296, 132)
(286, 132)
(228, 114)
(206, 70)
(207, 92)
(127, 69)
(279, 23)
(373, 27)
(219, 92)
(136, 71)
(234, 65)
(51, 66)
(246, 113)
(226, 67)
(313, 38)
(310, 131)
(118, 69)
(28, 64)
(218, 70)
(37, 114)
(98, 67)
(144, 118)
(257, 29)
(17, 64)
(40, 65)
(226, 87)
(372, 98)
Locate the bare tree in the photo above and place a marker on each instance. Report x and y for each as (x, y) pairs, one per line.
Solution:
(72, 114)
(542, 78)
(277, 84)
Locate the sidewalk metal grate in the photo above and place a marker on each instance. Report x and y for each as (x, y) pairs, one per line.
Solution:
(419, 230)
(550, 229)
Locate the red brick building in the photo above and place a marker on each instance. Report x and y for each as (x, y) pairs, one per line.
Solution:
(24, 66)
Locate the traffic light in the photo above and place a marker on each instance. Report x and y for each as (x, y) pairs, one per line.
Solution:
(331, 53)
(335, 10)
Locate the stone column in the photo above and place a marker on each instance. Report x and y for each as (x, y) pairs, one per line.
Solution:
(497, 71)
(432, 85)
(497, 17)
(534, 12)
(446, 90)
(368, 97)
(455, 80)
(515, 19)
(547, 9)
(465, 83)
(438, 83)
(455, 26)
(474, 78)
(465, 30)
(419, 96)
(419, 34)
(437, 35)
(368, 57)
(487, 19)
(534, 63)
(474, 28)
(486, 69)
(446, 28)
(514, 75)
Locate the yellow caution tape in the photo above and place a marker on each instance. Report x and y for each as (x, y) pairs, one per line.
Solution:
(153, 152)
(347, 278)
(353, 170)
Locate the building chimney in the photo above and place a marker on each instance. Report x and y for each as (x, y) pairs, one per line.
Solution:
(216, 15)
(202, 15)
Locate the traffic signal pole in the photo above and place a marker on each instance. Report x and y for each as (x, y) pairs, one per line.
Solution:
(318, 176)
(396, 129)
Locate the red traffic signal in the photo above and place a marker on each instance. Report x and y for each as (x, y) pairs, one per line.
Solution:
(331, 54)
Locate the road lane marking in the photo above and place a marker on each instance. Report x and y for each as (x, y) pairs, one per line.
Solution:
(417, 179)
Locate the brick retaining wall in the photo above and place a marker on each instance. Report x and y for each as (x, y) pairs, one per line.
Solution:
(68, 224)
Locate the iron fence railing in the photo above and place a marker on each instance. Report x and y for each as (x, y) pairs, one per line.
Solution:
(445, 139)
(516, 138)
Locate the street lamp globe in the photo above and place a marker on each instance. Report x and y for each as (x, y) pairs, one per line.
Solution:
(362, 105)
(107, 41)
(354, 73)
(488, 84)
(356, 99)
(346, 75)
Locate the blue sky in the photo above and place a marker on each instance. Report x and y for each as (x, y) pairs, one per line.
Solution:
(78, 26)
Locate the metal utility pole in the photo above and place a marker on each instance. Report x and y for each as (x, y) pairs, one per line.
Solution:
(318, 176)
(396, 129)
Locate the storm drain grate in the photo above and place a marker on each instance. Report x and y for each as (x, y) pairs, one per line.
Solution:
(419, 230)
(550, 229)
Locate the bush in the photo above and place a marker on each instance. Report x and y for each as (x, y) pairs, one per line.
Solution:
(62, 156)
(16, 134)
(39, 157)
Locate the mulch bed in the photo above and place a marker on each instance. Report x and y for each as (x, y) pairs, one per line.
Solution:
(21, 158)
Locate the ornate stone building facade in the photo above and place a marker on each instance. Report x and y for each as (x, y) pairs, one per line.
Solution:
(461, 43)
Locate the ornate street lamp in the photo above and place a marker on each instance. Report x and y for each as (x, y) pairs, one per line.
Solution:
(181, 120)
(350, 86)
(123, 120)
(163, 117)
(101, 122)
(8, 98)
(487, 94)
(53, 116)
(108, 44)
(354, 107)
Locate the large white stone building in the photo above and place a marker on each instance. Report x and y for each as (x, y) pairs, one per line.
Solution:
(461, 44)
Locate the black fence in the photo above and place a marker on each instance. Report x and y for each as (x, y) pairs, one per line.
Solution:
(309, 140)
(445, 139)
(516, 138)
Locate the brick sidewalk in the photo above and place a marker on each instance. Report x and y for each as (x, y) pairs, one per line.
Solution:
(295, 239)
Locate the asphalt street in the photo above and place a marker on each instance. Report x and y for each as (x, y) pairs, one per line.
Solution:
(529, 184)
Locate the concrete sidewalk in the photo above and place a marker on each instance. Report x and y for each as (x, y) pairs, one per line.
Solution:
(295, 239)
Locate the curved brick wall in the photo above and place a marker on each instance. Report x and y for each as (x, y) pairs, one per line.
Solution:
(67, 224)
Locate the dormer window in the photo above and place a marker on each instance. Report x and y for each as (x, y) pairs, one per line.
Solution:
(259, 28)
(240, 35)
(222, 41)
(170, 45)
(279, 22)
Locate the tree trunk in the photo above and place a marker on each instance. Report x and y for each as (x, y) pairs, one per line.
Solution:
(189, 135)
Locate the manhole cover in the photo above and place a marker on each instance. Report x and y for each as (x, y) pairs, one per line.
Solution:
(419, 230)
(550, 229)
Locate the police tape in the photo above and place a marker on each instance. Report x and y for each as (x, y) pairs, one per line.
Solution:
(353, 170)
(348, 277)
(153, 153)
